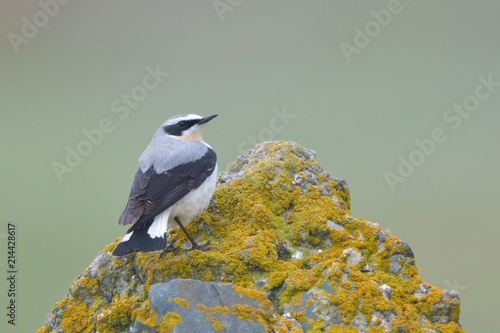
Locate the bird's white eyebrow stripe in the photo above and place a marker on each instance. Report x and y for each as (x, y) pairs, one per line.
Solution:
(181, 117)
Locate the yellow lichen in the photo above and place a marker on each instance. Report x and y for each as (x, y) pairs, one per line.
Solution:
(263, 301)
(224, 310)
(202, 308)
(146, 315)
(211, 311)
(170, 320)
(427, 302)
(451, 327)
(249, 313)
(340, 329)
(218, 326)
(296, 330)
(297, 300)
(402, 323)
(276, 279)
(116, 318)
(182, 302)
(75, 318)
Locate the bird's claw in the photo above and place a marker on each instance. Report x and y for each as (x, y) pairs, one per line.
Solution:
(202, 247)
(170, 248)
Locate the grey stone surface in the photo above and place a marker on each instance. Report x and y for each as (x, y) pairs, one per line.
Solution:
(386, 291)
(395, 267)
(186, 298)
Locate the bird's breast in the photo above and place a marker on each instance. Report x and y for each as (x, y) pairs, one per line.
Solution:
(194, 203)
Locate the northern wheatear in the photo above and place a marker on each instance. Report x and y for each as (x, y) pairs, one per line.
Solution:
(174, 184)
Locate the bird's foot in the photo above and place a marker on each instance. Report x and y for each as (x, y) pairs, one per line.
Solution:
(202, 247)
(170, 247)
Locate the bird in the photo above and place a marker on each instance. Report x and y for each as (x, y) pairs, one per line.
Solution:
(174, 184)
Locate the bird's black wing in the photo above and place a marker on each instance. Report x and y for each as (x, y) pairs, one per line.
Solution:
(152, 192)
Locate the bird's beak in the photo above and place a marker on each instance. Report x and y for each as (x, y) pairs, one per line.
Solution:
(206, 119)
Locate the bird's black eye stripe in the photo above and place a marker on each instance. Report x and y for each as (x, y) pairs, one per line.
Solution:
(177, 129)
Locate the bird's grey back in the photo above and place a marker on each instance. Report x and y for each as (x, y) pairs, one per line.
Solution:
(165, 153)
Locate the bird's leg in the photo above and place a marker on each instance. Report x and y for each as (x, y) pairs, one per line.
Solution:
(170, 247)
(195, 246)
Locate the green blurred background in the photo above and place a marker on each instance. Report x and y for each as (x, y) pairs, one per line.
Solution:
(242, 60)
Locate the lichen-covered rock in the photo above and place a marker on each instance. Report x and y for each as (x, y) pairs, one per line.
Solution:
(282, 235)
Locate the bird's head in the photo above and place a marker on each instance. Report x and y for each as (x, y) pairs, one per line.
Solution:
(187, 127)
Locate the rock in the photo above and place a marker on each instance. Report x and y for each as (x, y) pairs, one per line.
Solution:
(287, 257)
(386, 291)
(333, 225)
(316, 306)
(380, 237)
(353, 256)
(421, 291)
(198, 306)
(287, 323)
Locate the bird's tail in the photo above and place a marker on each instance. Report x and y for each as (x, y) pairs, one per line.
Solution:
(141, 241)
